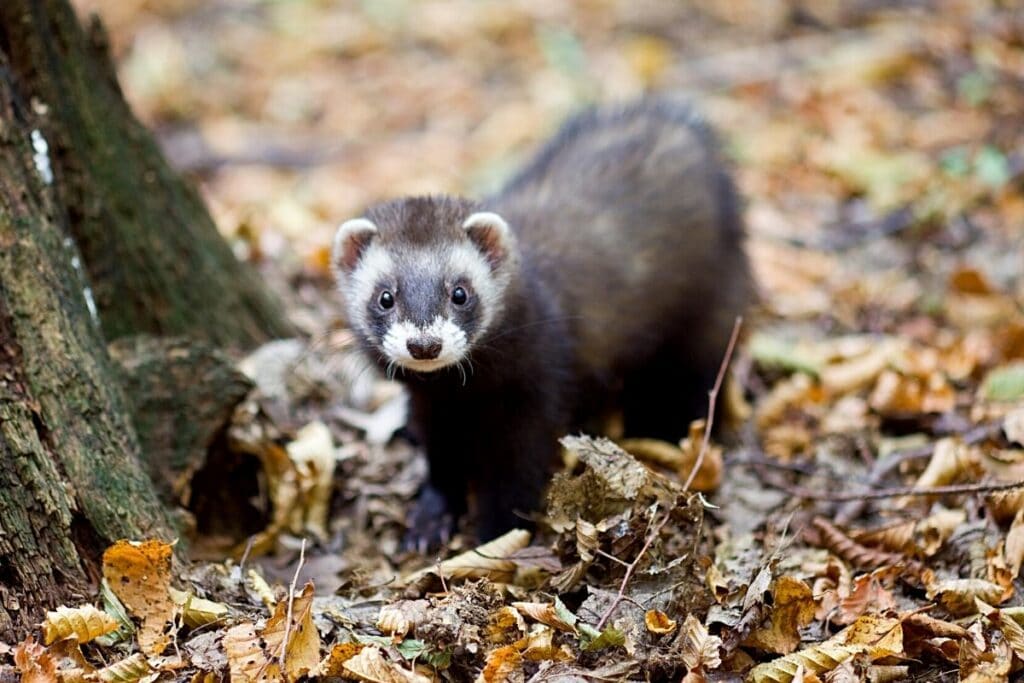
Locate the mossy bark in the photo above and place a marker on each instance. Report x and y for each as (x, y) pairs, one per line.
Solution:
(115, 226)
(153, 255)
(70, 479)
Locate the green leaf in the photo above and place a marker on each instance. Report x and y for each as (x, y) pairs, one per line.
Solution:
(956, 162)
(411, 648)
(565, 614)
(610, 637)
(380, 641)
(439, 659)
(992, 167)
(975, 88)
(562, 49)
(773, 351)
(1004, 383)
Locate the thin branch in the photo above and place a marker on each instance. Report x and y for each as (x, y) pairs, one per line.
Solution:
(291, 603)
(712, 400)
(630, 568)
(896, 492)
(656, 531)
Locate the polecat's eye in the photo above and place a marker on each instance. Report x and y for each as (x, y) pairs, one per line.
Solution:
(386, 300)
(459, 296)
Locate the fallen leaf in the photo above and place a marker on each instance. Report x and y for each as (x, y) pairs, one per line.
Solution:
(34, 662)
(82, 623)
(658, 622)
(369, 664)
(139, 574)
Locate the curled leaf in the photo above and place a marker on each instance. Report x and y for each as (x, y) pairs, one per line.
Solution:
(658, 622)
(487, 561)
(81, 623)
(127, 670)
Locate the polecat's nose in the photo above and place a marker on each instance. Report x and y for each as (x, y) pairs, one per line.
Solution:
(424, 348)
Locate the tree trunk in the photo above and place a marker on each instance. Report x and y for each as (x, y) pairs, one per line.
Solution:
(98, 240)
(70, 480)
(154, 257)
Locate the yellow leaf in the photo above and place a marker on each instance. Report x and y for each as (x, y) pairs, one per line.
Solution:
(140, 575)
(484, 562)
(792, 609)
(82, 623)
(659, 622)
(301, 651)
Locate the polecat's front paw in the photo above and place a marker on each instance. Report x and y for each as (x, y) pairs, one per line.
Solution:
(430, 523)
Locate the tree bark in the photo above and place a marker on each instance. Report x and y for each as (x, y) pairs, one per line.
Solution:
(99, 240)
(70, 480)
(153, 255)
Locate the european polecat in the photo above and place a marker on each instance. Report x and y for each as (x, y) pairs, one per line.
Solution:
(606, 275)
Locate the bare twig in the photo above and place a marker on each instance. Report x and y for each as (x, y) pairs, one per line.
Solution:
(245, 555)
(712, 400)
(656, 531)
(630, 568)
(897, 491)
(291, 603)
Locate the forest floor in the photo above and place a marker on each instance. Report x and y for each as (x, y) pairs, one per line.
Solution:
(859, 519)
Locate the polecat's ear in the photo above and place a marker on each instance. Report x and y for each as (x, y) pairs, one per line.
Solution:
(491, 235)
(350, 241)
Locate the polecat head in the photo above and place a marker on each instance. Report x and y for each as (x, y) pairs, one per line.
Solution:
(424, 278)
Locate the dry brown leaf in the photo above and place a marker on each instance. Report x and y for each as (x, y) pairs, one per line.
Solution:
(1013, 426)
(504, 665)
(793, 392)
(709, 476)
(868, 596)
(196, 611)
(869, 636)
(140, 575)
(991, 665)
(301, 652)
(333, 665)
(922, 538)
(81, 623)
(371, 665)
(950, 460)
(484, 562)
(658, 622)
(587, 541)
(860, 371)
(699, 649)
(716, 583)
(654, 451)
(899, 395)
(1012, 631)
(312, 453)
(792, 608)
(34, 662)
(127, 670)
(539, 646)
(399, 618)
(545, 613)
(246, 658)
(959, 595)
(1005, 505)
(1013, 550)
(505, 625)
(934, 530)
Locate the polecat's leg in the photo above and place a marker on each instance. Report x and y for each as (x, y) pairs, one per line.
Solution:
(514, 466)
(442, 500)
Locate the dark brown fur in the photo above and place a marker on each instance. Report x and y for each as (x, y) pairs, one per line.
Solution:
(631, 273)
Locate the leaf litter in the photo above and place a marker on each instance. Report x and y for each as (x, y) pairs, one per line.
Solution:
(858, 520)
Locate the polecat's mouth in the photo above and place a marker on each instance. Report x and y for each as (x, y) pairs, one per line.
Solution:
(424, 365)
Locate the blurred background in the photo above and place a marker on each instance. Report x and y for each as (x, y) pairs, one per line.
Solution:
(849, 122)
